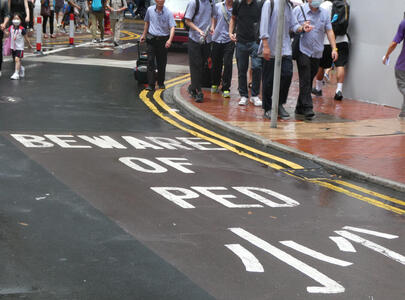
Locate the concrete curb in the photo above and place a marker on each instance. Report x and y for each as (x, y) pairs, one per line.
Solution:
(335, 167)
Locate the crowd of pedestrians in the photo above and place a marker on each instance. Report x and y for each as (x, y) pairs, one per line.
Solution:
(249, 27)
(246, 29)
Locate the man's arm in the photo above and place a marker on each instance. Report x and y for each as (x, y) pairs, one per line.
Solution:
(169, 41)
(232, 24)
(332, 41)
(6, 17)
(264, 30)
(391, 48)
(194, 27)
(145, 32)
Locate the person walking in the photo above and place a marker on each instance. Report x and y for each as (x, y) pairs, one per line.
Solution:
(47, 13)
(199, 22)
(4, 18)
(222, 48)
(342, 44)
(117, 8)
(20, 7)
(267, 48)
(83, 16)
(311, 50)
(158, 33)
(246, 18)
(31, 6)
(18, 34)
(59, 4)
(400, 64)
(97, 8)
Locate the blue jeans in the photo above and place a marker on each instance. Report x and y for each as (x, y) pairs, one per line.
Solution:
(243, 52)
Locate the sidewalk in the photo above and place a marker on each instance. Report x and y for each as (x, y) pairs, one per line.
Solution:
(358, 135)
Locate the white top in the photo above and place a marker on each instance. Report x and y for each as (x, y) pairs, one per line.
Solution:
(17, 37)
(340, 38)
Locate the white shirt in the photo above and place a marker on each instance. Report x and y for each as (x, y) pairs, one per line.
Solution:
(17, 37)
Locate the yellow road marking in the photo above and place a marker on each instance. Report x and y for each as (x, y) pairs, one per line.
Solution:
(360, 197)
(131, 35)
(243, 146)
(179, 80)
(152, 107)
(363, 190)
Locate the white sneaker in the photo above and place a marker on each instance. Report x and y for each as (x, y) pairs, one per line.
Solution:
(22, 72)
(15, 76)
(256, 101)
(243, 101)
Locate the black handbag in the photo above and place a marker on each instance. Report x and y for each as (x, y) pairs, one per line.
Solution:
(296, 41)
(45, 9)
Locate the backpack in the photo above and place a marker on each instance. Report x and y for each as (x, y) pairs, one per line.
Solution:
(340, 17)
(197, 8)
(257, 25)
(96, 5)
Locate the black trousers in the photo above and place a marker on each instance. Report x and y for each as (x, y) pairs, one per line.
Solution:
(222, 56)
(45, 21)
(157, 59)
(268, 79)
(197, 54)
(31, 9)
(307, 69)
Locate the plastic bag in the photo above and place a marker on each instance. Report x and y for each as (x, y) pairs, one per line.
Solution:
(7, 47)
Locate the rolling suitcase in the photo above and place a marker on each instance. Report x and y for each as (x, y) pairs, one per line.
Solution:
(141, 69)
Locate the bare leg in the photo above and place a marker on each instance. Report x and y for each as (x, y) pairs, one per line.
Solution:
(319, 75)
(340, 74)
(17, 65)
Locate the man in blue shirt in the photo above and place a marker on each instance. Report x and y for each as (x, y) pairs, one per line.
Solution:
(311, 50)
(222, 48)
(267, 48)
(158, 33)
(199, 38)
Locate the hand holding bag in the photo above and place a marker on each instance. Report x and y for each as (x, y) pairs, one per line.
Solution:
(7, 46)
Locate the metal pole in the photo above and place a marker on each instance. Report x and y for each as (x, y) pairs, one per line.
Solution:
(277, 64)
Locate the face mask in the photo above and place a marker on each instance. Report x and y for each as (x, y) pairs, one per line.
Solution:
(316, 3)
(16, 22)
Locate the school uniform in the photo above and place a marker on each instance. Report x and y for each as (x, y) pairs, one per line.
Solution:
(160, 24)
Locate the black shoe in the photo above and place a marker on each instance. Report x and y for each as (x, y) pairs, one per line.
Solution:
(339, 96)
(299, 111)
(199, 98)
(282, 113)
(267, 114)
(191, 92)
(116, 44)
(150, 88)
(162, 87)
(316, 92)
(309, 114)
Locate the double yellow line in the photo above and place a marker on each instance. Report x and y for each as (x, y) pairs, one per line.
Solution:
(278, 163)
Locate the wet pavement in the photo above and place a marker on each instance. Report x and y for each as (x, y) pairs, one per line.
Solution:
(356, 134)
(107, 195)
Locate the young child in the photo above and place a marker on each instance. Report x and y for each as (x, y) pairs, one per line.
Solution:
(17, 34)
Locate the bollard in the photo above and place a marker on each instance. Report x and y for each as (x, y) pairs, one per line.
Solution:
(39, 34)
(71, 29)
(107, 23)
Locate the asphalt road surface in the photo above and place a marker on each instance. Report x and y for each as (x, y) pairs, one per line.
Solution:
(102, 198)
